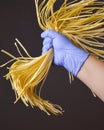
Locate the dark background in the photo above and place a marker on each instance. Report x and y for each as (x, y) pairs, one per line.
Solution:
(82, 110)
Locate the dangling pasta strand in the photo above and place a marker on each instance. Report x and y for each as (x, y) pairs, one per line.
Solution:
(25, 74)
(81, 21)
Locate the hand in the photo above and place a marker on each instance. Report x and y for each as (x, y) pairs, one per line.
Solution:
(66, 54)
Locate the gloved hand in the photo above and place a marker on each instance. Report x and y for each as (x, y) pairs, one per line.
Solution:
(66, 54)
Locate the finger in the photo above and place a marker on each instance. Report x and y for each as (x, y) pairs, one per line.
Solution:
(49, 33)
(46, 47)
(47, 40)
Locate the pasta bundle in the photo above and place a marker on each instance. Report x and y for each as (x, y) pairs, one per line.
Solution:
(81, 21)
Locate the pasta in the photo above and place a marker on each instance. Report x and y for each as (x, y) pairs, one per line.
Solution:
(81, 21)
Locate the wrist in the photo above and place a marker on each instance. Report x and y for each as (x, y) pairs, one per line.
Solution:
(85, 68)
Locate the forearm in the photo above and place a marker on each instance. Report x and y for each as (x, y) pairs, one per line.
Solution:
(92, 74)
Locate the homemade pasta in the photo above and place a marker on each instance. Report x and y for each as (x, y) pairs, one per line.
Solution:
(81, 21)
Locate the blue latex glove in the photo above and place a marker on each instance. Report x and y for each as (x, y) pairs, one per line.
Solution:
(65, 53)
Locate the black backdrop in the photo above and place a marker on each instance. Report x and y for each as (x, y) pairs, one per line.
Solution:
(82, 110)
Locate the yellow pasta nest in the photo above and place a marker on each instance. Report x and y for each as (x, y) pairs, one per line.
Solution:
(81, 21)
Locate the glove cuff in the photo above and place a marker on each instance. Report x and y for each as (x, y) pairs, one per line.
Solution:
(81, 63)
(74, 62)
